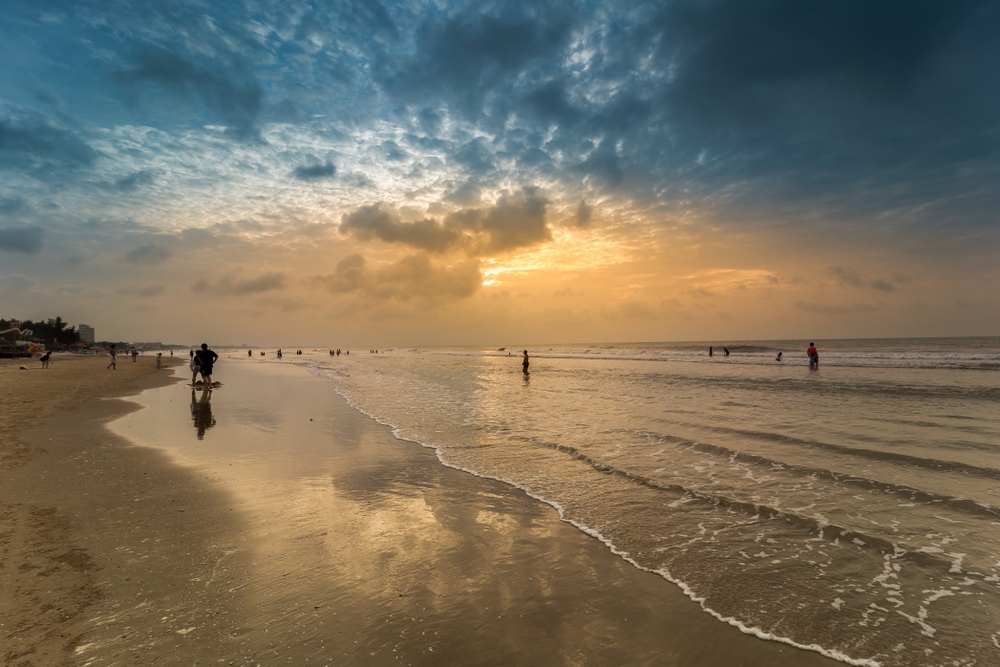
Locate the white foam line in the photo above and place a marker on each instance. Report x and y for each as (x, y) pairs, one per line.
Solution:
(687, 590)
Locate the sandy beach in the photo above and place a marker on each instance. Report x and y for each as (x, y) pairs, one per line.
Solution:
(284, 527)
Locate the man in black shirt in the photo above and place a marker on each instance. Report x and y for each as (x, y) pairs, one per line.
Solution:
(205, 358)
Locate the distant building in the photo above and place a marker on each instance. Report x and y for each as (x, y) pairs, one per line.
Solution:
(86, 333)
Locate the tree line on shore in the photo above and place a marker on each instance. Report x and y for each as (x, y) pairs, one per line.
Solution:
(51, 332)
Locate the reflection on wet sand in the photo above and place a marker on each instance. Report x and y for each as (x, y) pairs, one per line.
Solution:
(201, 411)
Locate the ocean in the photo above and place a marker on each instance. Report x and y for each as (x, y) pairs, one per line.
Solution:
(853, 509)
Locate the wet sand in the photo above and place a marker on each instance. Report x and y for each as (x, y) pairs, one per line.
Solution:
(277, 525)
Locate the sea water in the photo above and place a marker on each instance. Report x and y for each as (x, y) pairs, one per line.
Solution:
(852, 509)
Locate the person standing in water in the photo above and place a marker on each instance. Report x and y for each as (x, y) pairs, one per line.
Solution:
(778, 358)
(524, 363)
(813, 356)
(709, 350)
(205, 358)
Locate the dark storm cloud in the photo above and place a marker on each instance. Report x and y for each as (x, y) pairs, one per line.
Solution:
(515, 221)
(315, 172)
(33, 143)
(228, 90)
(26, 240)
(150, 254)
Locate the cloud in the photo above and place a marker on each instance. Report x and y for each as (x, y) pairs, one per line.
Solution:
(603, 164)
(17, 282)
(416, 277)
(265, 283)
(583, 216)
(13, 205)
(150, 254)
(853, 278)
(515, 221)
(26, 240)
(832, 309)
(315, 172)
(229, 91)
(347, 277)
(376, 221)
(636, 310)
(230, 284)
(144, 292)
(35, 144)
(467, 194)
(413, 277)
(846, 276)
(882, 285)
(134, 180)
(467, 58)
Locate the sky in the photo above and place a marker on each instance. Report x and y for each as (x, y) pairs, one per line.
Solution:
(352, 173)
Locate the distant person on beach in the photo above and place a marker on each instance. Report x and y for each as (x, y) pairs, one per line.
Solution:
(262, 353)
(726, 350)
(524, 362)
(45, 359)
(114, 358)
(249, 353)
(191, 353)
(709, 350)
(778, 358)
(135, 353)
(279, 353)
(813, 356)
(159, 360)
(206, 359)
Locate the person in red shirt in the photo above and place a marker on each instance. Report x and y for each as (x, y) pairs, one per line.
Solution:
(813, 356)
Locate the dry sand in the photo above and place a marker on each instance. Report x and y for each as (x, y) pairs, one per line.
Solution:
(277, 539)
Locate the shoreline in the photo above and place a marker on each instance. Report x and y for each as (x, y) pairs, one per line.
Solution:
(78, 574)
(222, 549)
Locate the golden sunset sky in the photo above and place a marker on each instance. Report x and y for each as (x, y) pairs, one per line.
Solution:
(414, 173)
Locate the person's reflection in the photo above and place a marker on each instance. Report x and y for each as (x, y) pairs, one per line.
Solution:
(201, 411)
